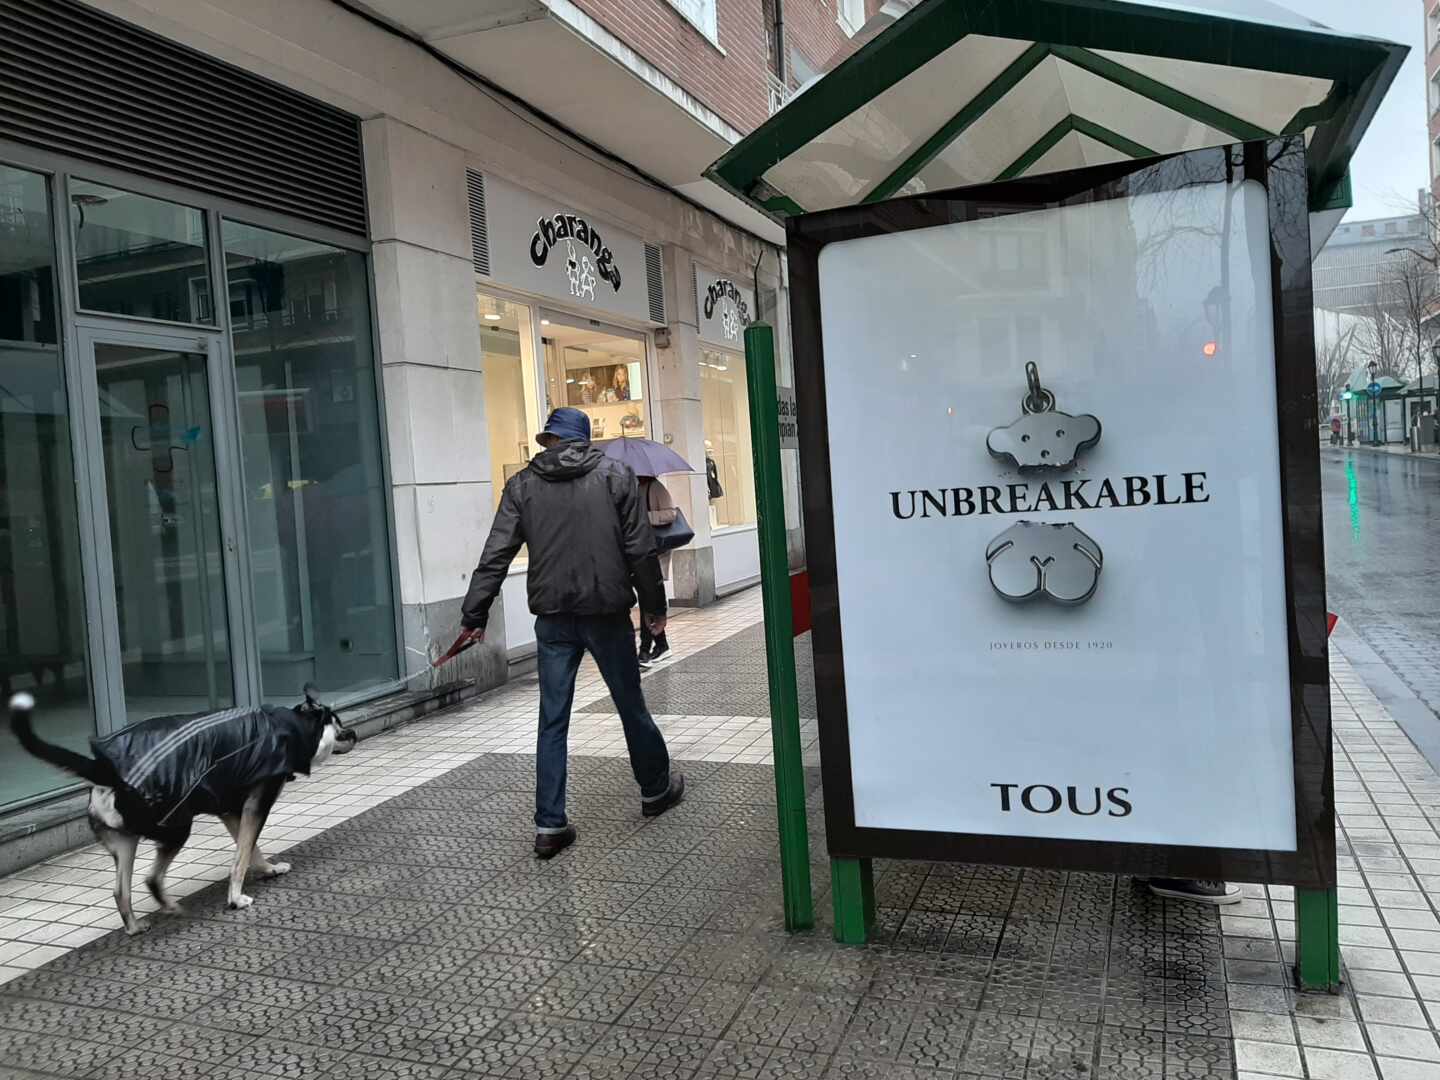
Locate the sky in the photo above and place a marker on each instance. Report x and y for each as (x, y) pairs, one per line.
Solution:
(1393, 161)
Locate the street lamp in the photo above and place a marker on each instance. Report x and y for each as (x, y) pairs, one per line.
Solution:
(1374, 369)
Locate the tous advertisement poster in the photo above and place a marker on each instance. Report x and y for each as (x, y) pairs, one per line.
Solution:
(1058, 526)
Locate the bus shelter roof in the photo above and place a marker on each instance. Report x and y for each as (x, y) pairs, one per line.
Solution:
(962, 92)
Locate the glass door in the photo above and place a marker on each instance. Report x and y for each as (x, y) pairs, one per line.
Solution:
(156, 503)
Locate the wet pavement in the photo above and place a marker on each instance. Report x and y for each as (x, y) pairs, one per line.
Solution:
(1382, 555)
(418, 937)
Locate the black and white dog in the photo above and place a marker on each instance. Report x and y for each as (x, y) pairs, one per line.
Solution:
(152, 778)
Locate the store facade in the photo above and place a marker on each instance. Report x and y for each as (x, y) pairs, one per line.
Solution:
(194, 507)
(257, 404)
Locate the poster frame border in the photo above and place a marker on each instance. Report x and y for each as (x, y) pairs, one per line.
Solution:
(1279, 165)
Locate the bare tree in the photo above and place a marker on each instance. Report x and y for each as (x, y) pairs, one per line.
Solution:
(1381, 340)
(1335, 357)
(1410, 294)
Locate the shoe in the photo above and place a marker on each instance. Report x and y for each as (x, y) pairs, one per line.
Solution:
(548, 845)
(645, 654)
(1199, 890)
(656, 807)
(658, 653)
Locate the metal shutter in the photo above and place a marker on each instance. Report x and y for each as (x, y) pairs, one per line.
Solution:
(76, 81)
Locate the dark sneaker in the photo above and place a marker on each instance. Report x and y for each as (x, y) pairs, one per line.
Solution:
(656, 807)
(548, 845)
(660, 651)
(1199, 890)
(645, 655)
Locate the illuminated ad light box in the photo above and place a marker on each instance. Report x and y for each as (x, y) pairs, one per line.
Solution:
(1062, 507)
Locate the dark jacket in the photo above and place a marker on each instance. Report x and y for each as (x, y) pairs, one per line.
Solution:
(591, 548)
(208, 763)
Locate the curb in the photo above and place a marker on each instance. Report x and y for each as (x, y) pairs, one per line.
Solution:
(1419, 722)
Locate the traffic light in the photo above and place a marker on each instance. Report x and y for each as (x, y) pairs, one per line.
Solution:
(1347, 395)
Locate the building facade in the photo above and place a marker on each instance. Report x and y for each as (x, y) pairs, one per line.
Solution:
(1353, 270)
(1432, 90)
(286, 288)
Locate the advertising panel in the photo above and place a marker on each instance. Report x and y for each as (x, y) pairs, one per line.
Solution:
(1061, 547)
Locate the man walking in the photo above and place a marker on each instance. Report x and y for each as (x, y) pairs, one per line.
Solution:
(591, 551)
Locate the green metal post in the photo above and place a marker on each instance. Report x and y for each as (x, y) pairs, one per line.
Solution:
(1317, 939)
(852, 887)
(779, 628)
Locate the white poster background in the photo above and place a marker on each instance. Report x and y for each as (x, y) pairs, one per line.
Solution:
(1173, 679)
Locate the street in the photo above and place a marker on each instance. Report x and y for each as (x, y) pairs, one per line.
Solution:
(1382, 553)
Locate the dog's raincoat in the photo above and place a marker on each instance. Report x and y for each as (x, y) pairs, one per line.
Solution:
(209, 760)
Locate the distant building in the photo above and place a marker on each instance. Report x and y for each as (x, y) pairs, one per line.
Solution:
(1351, 267)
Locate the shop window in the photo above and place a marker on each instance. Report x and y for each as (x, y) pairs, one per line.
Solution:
(600, 372)
(139, 256)
(512, 407)
(851, 15)
(730, 470)
(310, 443)
(42, 622)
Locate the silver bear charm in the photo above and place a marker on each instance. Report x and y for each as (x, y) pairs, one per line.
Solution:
(1043, 438)
(1035, 558)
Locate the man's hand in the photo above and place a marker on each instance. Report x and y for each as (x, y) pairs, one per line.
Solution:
(463, 641)
(656, 623)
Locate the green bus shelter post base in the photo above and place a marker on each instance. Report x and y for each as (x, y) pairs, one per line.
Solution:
(1317, 939)
(852, 888)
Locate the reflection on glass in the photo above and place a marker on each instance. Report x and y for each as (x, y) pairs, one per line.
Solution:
(42, 623)
(310, 442)
(159, 452)
(729, 468)
(599, 373)
(512, 409)
(139, 256)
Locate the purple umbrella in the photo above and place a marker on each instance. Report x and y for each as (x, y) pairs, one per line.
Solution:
(646, 457)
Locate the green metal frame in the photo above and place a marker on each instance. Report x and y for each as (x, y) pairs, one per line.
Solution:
(1317, 939)
(1360, 70)
(1098, 132)
(852, 890)
(779, 627)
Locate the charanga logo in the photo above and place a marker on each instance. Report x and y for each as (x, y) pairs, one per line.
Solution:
(581, 270)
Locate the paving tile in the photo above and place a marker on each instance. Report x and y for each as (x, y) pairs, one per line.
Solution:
(417, 937)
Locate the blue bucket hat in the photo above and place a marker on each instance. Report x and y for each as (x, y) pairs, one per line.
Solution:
(566, 423)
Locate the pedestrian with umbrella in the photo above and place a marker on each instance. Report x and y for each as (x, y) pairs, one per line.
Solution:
(649, 461)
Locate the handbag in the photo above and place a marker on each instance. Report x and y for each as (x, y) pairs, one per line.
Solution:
(675, 535)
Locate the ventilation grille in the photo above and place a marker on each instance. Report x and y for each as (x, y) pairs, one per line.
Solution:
(78, 82)
(479, 224)
(655, 283)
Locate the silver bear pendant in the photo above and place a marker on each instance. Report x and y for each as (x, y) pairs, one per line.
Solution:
(1034, 558)
(1043, 438)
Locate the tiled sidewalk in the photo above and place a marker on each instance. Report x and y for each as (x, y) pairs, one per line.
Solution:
(984, 971)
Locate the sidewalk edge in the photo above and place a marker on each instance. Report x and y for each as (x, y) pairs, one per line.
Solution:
(1416, 719)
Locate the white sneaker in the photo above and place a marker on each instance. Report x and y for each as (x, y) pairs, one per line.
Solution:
(1198, 890)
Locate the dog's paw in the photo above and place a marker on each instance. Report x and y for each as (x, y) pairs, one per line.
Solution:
(274, 870)
(240, 902)
(171, 907)
(136, 928)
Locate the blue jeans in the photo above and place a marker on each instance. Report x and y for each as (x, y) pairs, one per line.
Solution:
(561, 640)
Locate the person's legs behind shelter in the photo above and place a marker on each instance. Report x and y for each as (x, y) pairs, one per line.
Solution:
(558, 650)
(610, 639)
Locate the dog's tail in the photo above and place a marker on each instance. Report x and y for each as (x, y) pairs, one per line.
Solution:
(21, 708)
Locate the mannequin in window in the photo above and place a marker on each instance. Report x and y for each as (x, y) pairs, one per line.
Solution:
(712, 481)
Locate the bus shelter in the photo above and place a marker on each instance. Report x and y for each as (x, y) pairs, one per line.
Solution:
(1208, 142)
